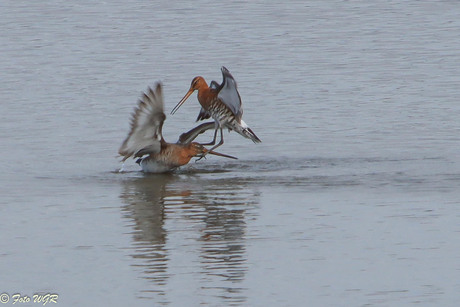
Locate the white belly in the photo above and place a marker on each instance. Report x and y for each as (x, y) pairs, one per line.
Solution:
(153, 166)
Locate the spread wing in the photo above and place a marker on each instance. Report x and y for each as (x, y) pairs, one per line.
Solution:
(214, 85)
(189, 136)
(228, 94)
(145, 136)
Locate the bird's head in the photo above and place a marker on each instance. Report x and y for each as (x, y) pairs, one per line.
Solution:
(196, 85)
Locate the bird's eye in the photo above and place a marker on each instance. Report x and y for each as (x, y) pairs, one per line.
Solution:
(195, 82)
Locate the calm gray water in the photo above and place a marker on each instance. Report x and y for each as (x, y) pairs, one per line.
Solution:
(352, 199)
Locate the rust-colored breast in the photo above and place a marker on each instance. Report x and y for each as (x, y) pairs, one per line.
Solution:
(174, 155)
(206, 97)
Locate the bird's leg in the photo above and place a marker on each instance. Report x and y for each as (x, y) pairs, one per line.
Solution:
(221, 140)
(203, 155)
(217, 126)
(213, 140)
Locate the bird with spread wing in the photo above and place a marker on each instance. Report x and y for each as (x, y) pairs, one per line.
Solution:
(222, 102)
(145, 139)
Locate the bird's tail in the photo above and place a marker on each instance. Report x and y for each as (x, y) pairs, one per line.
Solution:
(248, 133)
(243, 129)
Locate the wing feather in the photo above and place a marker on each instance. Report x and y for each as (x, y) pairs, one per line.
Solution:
(214, 85)
(145, 135)
(203, 115)
(189, 136)
(229, 95)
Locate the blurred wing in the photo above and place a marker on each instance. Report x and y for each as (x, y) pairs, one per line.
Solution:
(189, 136)
(229, 95)
(147, 120)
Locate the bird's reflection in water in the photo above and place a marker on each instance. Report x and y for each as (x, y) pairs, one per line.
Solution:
(195, 219)
(144, 207)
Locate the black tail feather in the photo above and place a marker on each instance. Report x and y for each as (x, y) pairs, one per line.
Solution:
(251, 135)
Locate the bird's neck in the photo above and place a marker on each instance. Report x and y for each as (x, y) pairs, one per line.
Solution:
(205, 96)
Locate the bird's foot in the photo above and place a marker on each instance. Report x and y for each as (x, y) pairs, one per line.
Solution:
(201, 156)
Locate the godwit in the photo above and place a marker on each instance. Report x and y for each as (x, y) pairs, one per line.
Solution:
(145, 140)
(222, 103)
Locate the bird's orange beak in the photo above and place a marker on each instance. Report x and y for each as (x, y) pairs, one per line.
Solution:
(220, 154)
(181, 102)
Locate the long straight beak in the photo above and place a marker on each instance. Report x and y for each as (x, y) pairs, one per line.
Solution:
(181, 102)
(221, 155)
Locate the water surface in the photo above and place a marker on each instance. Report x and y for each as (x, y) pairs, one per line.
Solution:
(352, 198)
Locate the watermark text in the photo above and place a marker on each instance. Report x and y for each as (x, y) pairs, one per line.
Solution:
(37, 298)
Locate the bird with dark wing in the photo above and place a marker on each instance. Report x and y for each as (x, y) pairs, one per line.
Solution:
(222, 103)
(145, 139)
